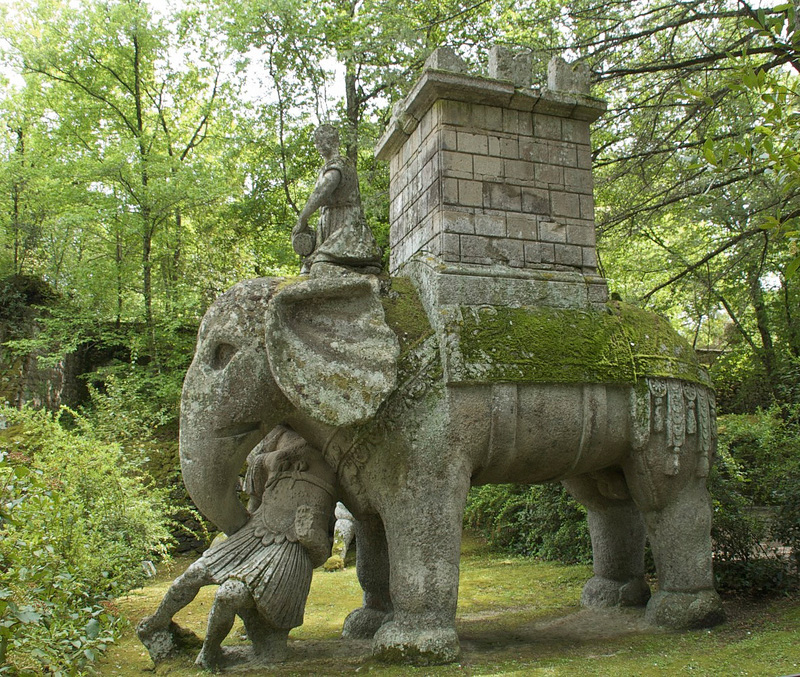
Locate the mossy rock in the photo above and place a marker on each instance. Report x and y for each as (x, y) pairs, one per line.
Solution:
(619, 344)
(405, 314)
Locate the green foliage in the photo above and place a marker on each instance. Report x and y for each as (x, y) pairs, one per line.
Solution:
(77, 521)
(785, 528)
(773, 144)
(131, 403)
(765, 448)
(539, 521)
(755, 491)
(20, 292)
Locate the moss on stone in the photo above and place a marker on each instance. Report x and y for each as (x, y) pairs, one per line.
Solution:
(620, 344)
(405, 314)
(284, 282)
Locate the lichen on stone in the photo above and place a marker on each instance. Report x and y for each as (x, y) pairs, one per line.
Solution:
(620, 344)
(405, 313)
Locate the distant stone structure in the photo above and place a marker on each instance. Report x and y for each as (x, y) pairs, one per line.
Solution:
(344, 531)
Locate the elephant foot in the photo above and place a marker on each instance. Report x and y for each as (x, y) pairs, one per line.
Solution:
(400, 643)
(602, 592)
(685, 610)
(363, 623)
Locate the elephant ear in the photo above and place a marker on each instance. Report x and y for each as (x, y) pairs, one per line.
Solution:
(330, 349)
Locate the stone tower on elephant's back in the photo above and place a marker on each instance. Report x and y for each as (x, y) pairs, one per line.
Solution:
(491, 185)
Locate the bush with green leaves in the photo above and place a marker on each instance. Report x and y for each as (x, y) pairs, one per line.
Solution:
(755, 488)
(77, 522)
(539, 521)
(742, 562)
(766, 446)
(137, 407)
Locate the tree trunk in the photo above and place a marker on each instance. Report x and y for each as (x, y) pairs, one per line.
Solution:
(352, 113)
(118, 261)
(767, 351)
(16, 193)
(148, 225)
(352, 101)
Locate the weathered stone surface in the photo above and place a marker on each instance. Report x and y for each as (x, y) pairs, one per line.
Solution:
(685, 610)
(436, 85)
(344, 535)
(343, 240)
(489, 149)
(513, 65)
(618, 344)
(565, 77)
(338, 372)
(445, 59)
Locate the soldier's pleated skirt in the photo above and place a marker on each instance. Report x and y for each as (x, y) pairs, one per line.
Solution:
(276, 571)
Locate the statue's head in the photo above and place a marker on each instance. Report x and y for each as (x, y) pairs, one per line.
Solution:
(326, 139)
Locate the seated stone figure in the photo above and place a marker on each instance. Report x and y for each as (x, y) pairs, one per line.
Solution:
(343, 241)
(264, 569)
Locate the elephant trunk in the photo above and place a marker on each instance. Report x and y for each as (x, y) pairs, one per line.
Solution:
(210, 465)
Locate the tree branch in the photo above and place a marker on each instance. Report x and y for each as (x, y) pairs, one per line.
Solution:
(727, 245)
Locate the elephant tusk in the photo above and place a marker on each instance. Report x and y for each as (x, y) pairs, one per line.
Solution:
(237, 430)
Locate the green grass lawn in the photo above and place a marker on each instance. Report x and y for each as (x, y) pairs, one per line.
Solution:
(515, 617)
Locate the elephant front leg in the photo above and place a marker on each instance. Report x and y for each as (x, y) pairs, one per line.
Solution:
(424, 537)
(372, 566)
(618, 539)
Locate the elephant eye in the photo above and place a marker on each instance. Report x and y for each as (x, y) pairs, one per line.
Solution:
(223, 353)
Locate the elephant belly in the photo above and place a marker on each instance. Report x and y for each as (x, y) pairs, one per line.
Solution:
(540, 432)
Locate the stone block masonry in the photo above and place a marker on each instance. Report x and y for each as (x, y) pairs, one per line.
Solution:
(489, 174)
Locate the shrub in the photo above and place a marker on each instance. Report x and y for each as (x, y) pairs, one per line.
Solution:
(540, 521)
(137, 407)
(765, 445)
(756, 496)
(77, 522)
(785, 527)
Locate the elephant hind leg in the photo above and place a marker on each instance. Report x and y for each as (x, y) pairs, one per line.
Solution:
(372, 566)
(618, 539)
(670, 490)
(680, 535)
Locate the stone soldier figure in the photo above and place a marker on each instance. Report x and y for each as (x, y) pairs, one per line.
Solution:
(343, 239)
(264, 569)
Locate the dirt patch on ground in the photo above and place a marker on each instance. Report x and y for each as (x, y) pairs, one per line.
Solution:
(584, 626)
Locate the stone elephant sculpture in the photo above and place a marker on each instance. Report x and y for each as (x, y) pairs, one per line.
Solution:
(608, 401)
